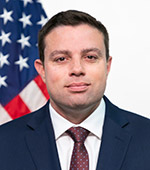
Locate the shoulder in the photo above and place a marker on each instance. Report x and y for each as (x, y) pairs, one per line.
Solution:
(19, 125)
(114, 109)
(135, 121)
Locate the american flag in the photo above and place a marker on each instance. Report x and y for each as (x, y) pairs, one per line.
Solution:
(21, 88)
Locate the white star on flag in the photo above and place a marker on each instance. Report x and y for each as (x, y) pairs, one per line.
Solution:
(26, 1)
(6, 16)
(42, 21)
(25, 20)
(22, 62)
(39, 1)
(3, 60)
(2, 81)
(24, 41)
(5, 37)
(19, 80)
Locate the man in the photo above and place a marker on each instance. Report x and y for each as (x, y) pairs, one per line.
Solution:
(75, 63)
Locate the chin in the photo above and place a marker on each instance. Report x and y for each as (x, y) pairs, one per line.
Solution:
(79, 105)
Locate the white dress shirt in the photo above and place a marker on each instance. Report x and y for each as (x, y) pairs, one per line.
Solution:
(94, 123)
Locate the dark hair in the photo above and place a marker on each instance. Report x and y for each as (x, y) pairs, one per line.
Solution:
(71, 17)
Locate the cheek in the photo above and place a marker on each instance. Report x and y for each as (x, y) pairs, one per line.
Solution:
(53, 77)
(98, 75)
(99, 83)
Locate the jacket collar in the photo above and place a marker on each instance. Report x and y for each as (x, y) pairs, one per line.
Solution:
(115, 139)
(40, 140)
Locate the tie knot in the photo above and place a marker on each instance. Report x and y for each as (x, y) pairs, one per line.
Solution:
(78, 134)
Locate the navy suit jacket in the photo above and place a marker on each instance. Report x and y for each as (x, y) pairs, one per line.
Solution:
(28, 143)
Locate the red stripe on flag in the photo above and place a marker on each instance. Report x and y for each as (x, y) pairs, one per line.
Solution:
(17, 108)
(42, 86)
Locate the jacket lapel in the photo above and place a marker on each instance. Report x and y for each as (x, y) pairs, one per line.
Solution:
(115, 139)
(40, 140)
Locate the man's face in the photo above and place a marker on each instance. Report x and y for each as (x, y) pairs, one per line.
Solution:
(75, 67)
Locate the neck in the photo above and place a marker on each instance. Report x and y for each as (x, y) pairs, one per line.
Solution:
(76, 114)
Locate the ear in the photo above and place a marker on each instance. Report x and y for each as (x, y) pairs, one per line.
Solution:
(40, 68)
(109, 61)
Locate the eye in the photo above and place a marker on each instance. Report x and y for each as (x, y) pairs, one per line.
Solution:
(90, 57)
(60, 59)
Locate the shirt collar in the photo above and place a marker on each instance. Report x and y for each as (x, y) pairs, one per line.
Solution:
(94, 123)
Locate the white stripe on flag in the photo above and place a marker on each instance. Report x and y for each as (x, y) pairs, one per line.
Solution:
(4, 116)
(33, 96)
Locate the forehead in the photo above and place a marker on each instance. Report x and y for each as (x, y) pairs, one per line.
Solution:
(80, 36)
(77, 28)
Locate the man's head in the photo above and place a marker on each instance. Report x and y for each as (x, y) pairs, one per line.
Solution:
(74, 63)
(72, 18)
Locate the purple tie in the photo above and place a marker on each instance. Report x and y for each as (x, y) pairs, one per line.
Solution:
(80, 159)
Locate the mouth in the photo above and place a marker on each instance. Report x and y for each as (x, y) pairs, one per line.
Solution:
(78, 87)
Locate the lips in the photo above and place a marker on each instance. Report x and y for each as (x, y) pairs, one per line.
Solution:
(78, 87)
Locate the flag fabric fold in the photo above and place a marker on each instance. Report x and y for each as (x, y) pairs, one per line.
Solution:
(21, 88)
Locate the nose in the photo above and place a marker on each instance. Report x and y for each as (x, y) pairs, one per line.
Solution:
(76, 68)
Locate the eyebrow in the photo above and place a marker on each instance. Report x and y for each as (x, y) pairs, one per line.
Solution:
(85, 51)
(56, 52)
